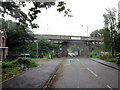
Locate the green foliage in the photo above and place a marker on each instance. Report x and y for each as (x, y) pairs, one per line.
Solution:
(13, 67)
(107, 40)
(110, 59)
(118, 58)
(14, 9)
(9, 64)
(106, 58)
(18, 36)
(94, 54)
(46, 57)
(26, 61)
(95, 49)
(45, 47)
(97, 56)
(9, 72)
(97, 33)
(110, 36)
(110, 25)
(18, 62)
(117, 43)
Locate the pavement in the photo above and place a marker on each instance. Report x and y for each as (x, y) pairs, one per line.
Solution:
(37, 77)
(106, 63)
(40, 76)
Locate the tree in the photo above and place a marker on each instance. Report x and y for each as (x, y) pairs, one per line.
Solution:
(106, 40)
(45, 47)
(117, 43)
(97, 33)
(14, 9)
(105, 35)
(17, 35)
(110, 24)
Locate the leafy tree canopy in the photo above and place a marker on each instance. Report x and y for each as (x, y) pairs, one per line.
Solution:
(17, 35)
(14, 9)
(97, 33)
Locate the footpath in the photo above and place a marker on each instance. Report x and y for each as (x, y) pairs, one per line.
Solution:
(109, 64)
(36, 78)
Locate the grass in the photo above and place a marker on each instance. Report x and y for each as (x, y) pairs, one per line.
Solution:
(10, 72)
(106, 58)
(46, 58)
(110, 59)
(13, 67)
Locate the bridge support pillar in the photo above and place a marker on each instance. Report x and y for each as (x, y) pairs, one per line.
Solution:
(64, 49)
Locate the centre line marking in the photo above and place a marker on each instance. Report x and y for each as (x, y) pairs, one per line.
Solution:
(109, 87)
(92, 72)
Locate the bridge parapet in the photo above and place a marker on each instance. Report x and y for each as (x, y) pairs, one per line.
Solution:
(64, 37)
(92, 39)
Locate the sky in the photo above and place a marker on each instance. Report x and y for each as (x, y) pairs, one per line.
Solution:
(85, 12)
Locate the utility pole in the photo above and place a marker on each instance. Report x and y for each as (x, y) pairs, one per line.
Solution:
(47, 28)
(87, 39)
(87, 29)
(37, 49)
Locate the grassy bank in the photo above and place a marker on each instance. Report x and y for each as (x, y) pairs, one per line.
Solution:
(106, 58)
(14, 67)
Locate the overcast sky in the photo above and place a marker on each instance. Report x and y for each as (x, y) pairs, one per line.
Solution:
(85, 12)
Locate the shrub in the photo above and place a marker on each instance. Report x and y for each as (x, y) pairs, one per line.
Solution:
(18, 62)
(111, 59)
(118, 58)
(90, 55)
(13, 67)
(9, 64)
(26, 61)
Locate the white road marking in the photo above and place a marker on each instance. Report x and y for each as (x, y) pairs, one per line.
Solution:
(77, 59)
(109, 87)
(92, 72)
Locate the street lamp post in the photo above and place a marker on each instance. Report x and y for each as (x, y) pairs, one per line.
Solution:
(87, 29)
(87, 38)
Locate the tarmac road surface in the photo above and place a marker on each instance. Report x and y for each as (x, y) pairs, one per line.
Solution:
(85, 73)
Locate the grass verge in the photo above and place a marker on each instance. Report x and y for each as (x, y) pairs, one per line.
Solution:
(14, 67)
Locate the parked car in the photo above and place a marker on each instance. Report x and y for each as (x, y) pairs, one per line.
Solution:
(71, 54)
(25, 55)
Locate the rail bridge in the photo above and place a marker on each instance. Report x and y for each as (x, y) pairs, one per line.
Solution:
(69, 43)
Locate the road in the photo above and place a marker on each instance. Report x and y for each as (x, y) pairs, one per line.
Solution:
(85, 73)
(34, 78)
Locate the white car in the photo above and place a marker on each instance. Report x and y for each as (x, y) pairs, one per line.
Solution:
(71, 54)
(25, 54)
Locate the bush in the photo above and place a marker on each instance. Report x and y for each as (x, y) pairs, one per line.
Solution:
(90, 54)
(9, 64)
(18, 62)
(97, 56)
(110, 59)
(13, 67)
(26, 61)
(118, 58)
(106, 58)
